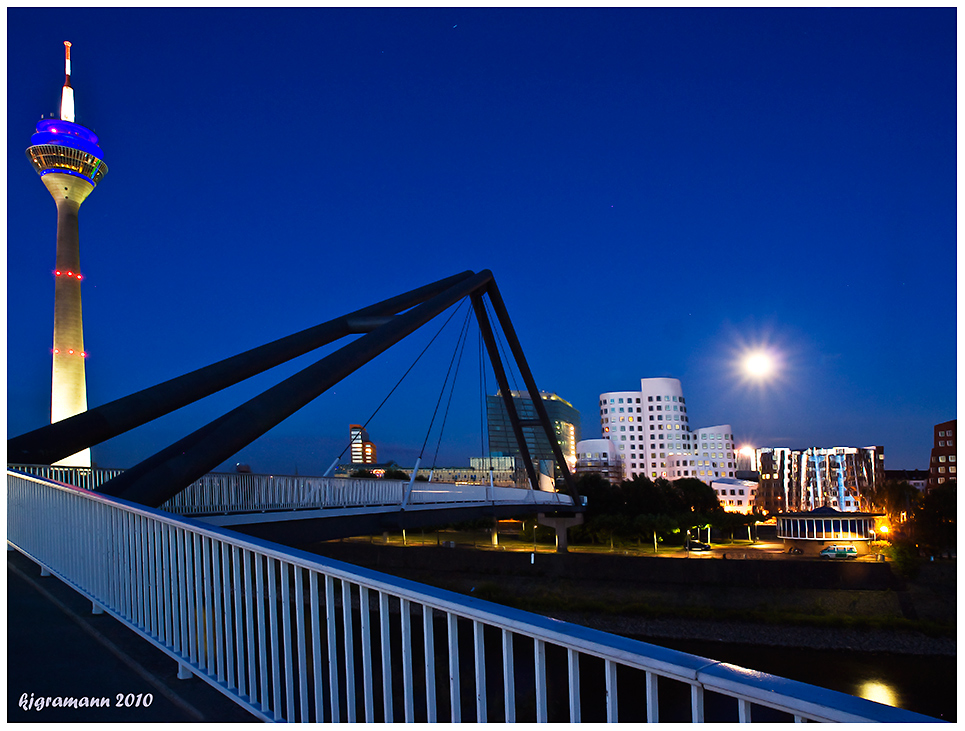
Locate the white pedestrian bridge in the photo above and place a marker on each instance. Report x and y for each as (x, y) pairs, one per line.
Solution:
(291, 636)
(301, 510)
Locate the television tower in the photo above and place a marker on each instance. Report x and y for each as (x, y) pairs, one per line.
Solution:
(70, 164)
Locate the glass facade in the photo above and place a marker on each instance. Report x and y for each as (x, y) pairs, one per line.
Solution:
(564, 418)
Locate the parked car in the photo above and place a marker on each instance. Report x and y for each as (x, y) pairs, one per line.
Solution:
(795, 551)
(697, 546)
(839, 551)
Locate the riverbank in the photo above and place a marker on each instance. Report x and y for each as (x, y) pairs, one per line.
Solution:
(811, 604)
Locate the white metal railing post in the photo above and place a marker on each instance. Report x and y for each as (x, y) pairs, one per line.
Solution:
(302, 655)
(743, 710)
(262, 633)
(407, 680)
(347, 635)
(452, 625)
(332, 649)
(509, 677)
(365, 629)
(386, 657)
(696, 703)
(316, 646)
(250, 630)
(573, 667)
(539, 650)
(273, 639)
(611, 692)
(428, 638)
(653, 711)
(479, 654)
(286, 619)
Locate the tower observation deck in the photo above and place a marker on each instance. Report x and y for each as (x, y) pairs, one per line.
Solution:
(70, 163)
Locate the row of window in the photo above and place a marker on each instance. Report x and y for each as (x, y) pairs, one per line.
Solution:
(950, 443)
(649, 398)
(949, 433)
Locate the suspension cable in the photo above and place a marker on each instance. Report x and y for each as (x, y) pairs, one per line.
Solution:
(452, 389)
(483, 411)
(456, 352)
(409, 370)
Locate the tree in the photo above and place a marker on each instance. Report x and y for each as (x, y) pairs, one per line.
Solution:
(640, 495)
(695, 496)
(898, 500)
(934, 526)
(363, 473)
(602, 498)
(655, 524)
(395, 475)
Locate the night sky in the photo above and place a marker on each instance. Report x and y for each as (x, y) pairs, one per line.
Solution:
(655, 191)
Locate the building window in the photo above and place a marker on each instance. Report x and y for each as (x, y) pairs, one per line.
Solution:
(941, 443)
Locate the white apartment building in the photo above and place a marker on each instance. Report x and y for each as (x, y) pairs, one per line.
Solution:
(651, 431)
(599, 456)
(735, 496)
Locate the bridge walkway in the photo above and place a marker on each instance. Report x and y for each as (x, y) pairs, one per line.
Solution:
(96, 656)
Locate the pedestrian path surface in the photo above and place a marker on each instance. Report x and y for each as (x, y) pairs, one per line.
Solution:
(58, 649)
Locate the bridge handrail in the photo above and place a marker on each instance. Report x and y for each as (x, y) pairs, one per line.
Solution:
(183, 585)
(232, 492)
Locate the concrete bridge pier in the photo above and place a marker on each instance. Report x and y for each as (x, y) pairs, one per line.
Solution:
(560, 525)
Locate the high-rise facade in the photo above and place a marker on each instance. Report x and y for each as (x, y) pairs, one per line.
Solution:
(562, 415)
(843, 478)
(651, 431)
(941, 467)
(363, 450)
(70, 164)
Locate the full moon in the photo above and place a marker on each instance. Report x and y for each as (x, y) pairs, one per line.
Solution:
(758, 365)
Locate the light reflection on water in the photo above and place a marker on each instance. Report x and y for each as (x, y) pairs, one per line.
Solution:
(920, 683)
(875, 690)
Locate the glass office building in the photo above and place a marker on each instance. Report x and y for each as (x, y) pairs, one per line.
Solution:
(562, 415)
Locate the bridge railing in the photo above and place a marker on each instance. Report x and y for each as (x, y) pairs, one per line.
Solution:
(294, 637)
(231, 492)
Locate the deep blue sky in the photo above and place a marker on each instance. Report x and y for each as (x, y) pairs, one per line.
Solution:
(653, 190)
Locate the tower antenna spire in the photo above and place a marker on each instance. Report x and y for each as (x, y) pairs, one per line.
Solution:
(67, 96)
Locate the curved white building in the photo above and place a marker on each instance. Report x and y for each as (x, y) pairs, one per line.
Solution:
(650, 430)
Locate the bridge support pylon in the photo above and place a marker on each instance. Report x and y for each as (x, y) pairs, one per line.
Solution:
(560, 525)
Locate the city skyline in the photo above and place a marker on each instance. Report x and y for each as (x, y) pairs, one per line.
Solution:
(655, 191)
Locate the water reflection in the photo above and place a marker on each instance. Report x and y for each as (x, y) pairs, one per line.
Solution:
(875, 690)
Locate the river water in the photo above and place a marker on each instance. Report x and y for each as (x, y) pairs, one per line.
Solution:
(924, 684)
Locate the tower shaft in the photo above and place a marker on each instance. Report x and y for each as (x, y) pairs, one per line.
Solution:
(68, 394)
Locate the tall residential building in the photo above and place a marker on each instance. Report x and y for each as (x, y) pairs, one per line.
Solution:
(843, 478)
(363, 450)
(651, 431)
(562, 415)
(70, 163)
(942, 465)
